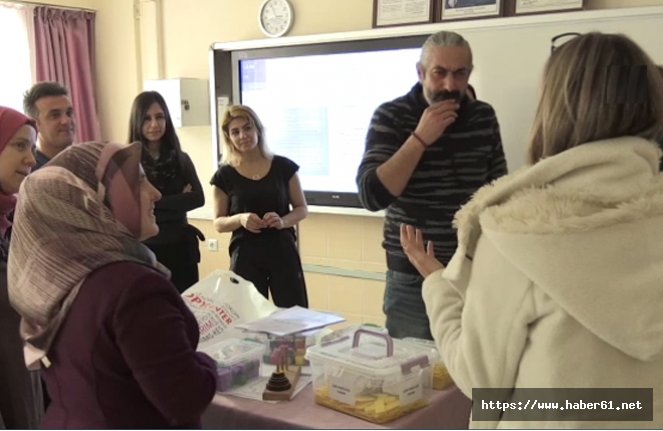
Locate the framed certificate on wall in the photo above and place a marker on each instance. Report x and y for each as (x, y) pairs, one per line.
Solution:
(399, 12)
(466, 9)
(538, 6)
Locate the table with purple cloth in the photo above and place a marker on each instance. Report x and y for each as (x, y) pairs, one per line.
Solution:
(448, 409)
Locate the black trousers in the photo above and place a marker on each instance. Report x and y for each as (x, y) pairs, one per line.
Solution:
(273, 265)
(181, 257)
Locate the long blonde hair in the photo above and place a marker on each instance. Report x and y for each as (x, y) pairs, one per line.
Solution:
(230, 155)
(596, 86)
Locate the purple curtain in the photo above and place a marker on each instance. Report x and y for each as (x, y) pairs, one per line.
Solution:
(64, 42)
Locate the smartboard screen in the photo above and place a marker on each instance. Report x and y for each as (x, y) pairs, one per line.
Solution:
(316, 103)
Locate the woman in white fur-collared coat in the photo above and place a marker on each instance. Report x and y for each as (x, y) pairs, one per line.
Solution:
(557, 281)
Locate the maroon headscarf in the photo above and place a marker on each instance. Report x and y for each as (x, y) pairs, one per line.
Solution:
(10, 122)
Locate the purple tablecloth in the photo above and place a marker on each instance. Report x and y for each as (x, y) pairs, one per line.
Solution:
(448, 409)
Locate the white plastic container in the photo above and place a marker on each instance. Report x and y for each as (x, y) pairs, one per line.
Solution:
(440, 376)
(237, 361)
(370, 375)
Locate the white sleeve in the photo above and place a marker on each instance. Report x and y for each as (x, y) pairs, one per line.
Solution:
(481, 334)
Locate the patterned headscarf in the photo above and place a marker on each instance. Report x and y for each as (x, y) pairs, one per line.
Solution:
(10, 122)
(77, 214)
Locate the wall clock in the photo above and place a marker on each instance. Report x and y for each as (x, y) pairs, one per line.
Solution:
(275, 17)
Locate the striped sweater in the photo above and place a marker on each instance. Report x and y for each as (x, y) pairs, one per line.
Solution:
(468, 155)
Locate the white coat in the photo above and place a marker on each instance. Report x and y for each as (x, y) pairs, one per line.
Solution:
(558, 279)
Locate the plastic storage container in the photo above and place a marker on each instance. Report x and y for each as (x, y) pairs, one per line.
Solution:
(370, 375)
(295, 344)
(296, 348)
(237, 361)
(440, 376)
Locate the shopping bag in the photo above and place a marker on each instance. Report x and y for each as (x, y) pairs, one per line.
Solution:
(222, 300)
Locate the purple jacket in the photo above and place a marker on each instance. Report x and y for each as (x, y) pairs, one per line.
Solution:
(125, 356)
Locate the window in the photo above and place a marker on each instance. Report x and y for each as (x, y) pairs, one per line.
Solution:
(16, 72)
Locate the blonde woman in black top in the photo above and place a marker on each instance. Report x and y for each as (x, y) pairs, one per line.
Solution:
(258, 197)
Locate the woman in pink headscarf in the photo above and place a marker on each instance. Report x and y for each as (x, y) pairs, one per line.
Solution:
(20, 392)
(116, 341)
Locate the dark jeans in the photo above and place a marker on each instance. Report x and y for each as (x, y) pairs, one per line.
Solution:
(404, 306)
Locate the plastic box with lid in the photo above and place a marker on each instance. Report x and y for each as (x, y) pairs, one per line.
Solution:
(237, 361)
(440, 376)
(295, 345)
(370, 375)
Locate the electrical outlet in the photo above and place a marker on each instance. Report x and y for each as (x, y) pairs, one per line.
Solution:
(213, 244)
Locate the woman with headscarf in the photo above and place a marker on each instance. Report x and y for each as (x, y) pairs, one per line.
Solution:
(20, 391)
(116, 341)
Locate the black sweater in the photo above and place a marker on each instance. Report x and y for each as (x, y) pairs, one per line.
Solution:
(468, 155)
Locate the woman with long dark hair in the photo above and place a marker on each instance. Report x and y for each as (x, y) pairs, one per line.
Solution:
(172, 172)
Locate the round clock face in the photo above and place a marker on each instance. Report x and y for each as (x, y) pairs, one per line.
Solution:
(275, 17)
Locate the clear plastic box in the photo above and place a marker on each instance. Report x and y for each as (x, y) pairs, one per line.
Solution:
(237, 361)
(440, 376)
(296, 348)
(295, 345)
(370, 375)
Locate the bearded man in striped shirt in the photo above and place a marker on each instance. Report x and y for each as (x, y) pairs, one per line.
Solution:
(426, 153)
